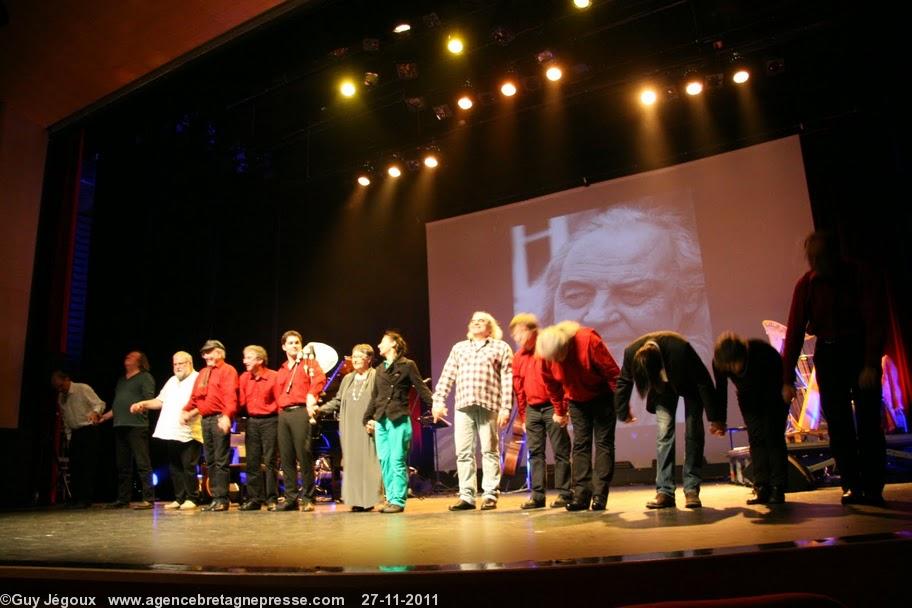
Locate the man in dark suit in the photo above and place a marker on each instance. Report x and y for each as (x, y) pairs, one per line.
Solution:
(664, 366)
(755, 368)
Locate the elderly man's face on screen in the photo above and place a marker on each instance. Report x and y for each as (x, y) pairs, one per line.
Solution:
(619, 282)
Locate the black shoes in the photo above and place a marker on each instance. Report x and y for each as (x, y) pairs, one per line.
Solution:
(661, 501)
(761, 496)
(462, 506)
(288, 505)
(251, 505)
(217, 506)
(852, 497)
(776, 495)
(599, 503)
(857, 497)
(532, 504)
(578, 505)
(357, 509)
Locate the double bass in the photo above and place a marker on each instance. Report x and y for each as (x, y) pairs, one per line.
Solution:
(514, 439)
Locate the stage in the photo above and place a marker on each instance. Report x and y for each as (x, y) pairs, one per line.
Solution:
(728, 548)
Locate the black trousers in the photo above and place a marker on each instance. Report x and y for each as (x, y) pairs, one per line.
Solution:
(856, 436)
(294, 449)
(539, 425)
(593, 420)
(83, 455)
(217, 445)
(131, 443)
(766, 418)
(182, 460)
(260, 442)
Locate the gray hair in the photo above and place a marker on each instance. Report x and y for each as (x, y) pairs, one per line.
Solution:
(495, 331)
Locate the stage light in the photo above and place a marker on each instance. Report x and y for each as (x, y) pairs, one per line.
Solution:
(364, 180)
(443, 111)
(347, 88)
(741, 76)
(465, 102)
(502, 35)
(581, 4)
(407, 70)
(430, 161)
(415, 104)
(508, 89)
(554, 73)
(370, 79)
(394, 171)
(694, 87)
(402, 28)
(455, 45)
(648, 97)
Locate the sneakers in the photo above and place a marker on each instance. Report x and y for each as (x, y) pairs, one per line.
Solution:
(188, 505)
(692, 500)
(173, 505)
(661, 501)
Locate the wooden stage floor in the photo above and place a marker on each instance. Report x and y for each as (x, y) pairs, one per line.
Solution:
(811, 543)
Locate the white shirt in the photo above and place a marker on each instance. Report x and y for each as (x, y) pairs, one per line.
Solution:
(175, 394)
(77, 404)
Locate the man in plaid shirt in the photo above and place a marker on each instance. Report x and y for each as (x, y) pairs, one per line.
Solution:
(482, 368)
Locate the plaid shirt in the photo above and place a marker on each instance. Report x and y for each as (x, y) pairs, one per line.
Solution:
(483, 374)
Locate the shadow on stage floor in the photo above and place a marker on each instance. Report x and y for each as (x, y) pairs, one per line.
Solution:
(624, 555)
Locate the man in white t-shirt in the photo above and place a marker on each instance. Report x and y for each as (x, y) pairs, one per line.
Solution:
(183, 440)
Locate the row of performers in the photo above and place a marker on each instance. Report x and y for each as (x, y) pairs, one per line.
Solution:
(559, 375)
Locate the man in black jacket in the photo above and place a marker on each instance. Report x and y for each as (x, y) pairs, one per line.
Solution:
(664, 366)
(387, 416)
(755, 368)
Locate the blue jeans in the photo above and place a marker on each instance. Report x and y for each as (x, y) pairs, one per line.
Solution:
(666, 406)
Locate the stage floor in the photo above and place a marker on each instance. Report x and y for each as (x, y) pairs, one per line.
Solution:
(427, 536)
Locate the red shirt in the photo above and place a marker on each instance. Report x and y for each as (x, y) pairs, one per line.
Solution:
(528, 383)
(305, 378)
(215, 391)
(589, 371)
(257, 393)
(847, 307)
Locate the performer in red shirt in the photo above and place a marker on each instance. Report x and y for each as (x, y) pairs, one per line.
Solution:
(257, 395)
(541, 416)
(297, 387)
(214, 397)
(580, 366)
